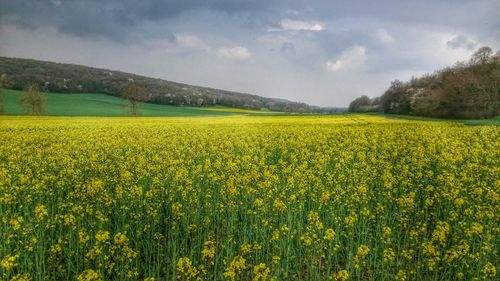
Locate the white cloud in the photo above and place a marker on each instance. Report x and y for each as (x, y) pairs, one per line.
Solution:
(181, 43)
(460, 41)
(190, 41)
(350, 58)
(384, 37)
(288, 24)
(56, 2)
(334, 66)
(429, 48)
(273, 39)
(292, 12)
(235, 53)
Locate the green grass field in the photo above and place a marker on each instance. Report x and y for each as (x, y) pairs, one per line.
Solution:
(489, 121)
(89, 104)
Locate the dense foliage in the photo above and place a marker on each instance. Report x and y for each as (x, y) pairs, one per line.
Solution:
(365, 104)
(248, 198)
(469, 90)
(69, 78)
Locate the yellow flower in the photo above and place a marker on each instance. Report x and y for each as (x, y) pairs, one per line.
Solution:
(8, 262)
(177, 210)
(489, 270)
(475, 229)
(120, 239)
(16, 223)
(361, 254)
(276, 235)
(350, 220)
(56, 249)
(132, 274)
(21, 277)
(407, 254)
(342, 275)
(258, 202)
(440, 232)
(401, 275)
(329, 234)
(260, 272)
(208, 252)
(102, 236)
(83, 237)
(389, 255)
(40, 212)
(236, 266)
(306, 240)
(69, 219)
(387, 231)
(237, 195)
(279, 205)
(313, 218)
(245, 248)
(363, 251)
(89, 275)
(276, 259)
(186, 268)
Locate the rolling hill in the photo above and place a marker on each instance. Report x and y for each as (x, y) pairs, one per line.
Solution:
(71, 78)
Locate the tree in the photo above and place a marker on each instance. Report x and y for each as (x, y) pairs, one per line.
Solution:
(360, 104)
(396, 98)
(4, 83)
(33, 100)
(134, 94)
(467, 90)
(482, 56)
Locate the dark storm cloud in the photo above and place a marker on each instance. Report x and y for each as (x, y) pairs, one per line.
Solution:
(115, 19)
(80, 18)
(122, 18)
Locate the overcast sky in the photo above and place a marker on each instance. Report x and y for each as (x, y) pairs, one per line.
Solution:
(320, 52)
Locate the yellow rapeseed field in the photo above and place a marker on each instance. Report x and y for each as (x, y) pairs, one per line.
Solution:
(348, 197)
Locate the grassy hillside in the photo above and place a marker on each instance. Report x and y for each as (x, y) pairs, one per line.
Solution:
(89, 104)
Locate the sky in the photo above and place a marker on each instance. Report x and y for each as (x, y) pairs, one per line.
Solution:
(320, 52)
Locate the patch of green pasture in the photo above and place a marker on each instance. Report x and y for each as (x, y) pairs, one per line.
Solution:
(92, 104)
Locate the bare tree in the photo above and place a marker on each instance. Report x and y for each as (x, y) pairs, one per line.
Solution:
(33, 100)
(2, 102)
(482, 55)
(134, 94)
(4, 82)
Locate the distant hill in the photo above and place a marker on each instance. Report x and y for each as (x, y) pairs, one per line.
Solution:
(71, 78)
(467, 90)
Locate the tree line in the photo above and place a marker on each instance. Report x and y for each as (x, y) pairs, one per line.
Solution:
(468, 90)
